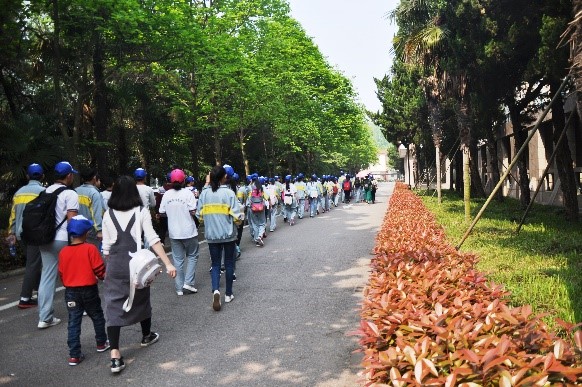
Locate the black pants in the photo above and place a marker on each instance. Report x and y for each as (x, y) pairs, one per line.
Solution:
(114, 332)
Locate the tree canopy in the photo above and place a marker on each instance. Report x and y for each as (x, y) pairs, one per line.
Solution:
(124, 84)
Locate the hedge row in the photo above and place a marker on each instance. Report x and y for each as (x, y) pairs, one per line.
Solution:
(430, 318)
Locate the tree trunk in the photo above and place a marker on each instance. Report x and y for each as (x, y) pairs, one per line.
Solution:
(438, 174)
(241, 138)
(458, 172)
(68, 150)
(494, 166)
(463, 123)
(520, 135)
(564, 163)
(477, 189)
(100, 100)
(576, 53)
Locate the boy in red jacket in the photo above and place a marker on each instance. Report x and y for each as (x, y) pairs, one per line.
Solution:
(80, 264)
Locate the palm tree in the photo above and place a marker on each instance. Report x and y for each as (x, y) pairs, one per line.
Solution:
(421, 34)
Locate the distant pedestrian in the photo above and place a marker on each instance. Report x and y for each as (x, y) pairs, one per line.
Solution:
(119, 239)
(220, 211)
(67, 206)
(91, 202)
(179, 205)
(33, 268)
(107, 186)
(289, 199)
(145, 191)
(80, 265)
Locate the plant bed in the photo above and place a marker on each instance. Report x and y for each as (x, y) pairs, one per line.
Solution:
(429, 317)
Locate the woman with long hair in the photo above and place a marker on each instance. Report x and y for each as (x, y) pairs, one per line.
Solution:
(220, 211)
(119, 239)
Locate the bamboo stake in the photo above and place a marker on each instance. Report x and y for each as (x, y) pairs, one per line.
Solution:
(550, 163)
(513, 162)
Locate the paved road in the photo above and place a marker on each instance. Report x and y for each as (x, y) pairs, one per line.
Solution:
(296, 298)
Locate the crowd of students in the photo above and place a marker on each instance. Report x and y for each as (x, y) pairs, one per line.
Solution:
(102, 229)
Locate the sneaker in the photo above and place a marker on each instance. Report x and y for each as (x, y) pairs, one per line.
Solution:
(46, 324)
(150, 339)
(188, 289)
(117, 365)
(260, 242)
(216, 300)
(233, 277)
(222, 269)
(73, 361)
(228, 299)
(31, 303)
(103, 347)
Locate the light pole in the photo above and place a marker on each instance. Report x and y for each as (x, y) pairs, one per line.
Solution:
(403, 152)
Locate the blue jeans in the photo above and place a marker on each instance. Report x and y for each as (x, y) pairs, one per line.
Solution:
(48, 278)
(216, 257)
(289, 211)
(78, 300)
(313, 202)
(273, 219)
(300, 208)
(181, 249)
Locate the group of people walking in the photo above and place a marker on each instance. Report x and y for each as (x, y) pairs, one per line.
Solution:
(96, 234)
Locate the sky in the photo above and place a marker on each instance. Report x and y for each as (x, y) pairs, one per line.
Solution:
(354, 36)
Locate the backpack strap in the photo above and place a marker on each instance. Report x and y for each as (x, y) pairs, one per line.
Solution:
(57, 192)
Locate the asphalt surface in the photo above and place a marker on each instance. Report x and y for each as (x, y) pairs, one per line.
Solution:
(296, 300)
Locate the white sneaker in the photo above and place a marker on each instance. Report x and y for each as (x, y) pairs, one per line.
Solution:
(190, 288)
(52, 322)
(216, 300)
(180, 293)
(228, 299)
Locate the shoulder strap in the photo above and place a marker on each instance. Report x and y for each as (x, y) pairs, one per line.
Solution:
(56, 193)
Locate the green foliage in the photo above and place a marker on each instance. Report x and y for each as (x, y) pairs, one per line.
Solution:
(155, 83)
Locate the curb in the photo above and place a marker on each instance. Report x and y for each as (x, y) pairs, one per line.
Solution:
(12, 273)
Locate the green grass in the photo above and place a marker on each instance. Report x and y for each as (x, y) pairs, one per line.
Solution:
(540, 266)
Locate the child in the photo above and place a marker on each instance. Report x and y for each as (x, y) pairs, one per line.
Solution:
(80, 264)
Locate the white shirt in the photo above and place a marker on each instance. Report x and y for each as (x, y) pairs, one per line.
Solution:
(123, 217)
(68, 200)
(147, 195)
(177, 204)
(106, 195)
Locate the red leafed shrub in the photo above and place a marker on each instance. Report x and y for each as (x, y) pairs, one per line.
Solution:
(429, 318)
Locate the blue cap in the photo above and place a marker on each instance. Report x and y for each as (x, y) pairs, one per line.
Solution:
(300, 175)
(262, 180)
(235, 176)
(140, 173)
(189, 179)
(64, 168)
(34, 170)
(271, 180)
(79, 225)
(288, 178)
(229, 170)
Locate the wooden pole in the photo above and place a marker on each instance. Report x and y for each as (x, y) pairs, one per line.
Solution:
(550, 162)
(513, 162)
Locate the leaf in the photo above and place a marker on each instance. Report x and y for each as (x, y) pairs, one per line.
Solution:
(410, 355)
(418, 372)
(451, 380)
(505, 379)
(438, 308)
(559, 349)
(431, 367)
(578, 339)
(395, 377)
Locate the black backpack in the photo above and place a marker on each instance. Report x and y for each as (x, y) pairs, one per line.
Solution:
(39, 218)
